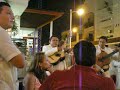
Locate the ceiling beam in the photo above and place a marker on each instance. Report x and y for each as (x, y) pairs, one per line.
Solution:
(52, 13)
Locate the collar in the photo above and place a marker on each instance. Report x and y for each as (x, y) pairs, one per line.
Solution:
(101, 48)
(51, 46)
(1, 28)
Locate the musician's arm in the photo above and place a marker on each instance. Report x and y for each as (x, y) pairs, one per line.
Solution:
(112, 68)
(116, 56)
(49, 51)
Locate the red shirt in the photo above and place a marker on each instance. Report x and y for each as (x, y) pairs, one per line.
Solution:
(77, 78)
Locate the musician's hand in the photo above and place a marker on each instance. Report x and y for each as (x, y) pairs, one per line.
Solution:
(97, 68)
(60, 48)
(68, 50)
(117, 49)
(106, 74)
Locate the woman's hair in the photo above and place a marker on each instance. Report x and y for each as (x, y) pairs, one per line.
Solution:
(35, 67)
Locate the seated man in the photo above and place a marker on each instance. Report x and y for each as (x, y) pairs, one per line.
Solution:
(81, 76)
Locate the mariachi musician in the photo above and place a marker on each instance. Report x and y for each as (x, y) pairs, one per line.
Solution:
(53, 48)
(103, 51)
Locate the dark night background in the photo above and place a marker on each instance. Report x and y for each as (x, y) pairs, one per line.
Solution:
(60, 24)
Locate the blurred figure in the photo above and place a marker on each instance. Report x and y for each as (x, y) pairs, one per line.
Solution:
(81, 76)
(37, 72)
(115, 72)
(10, 57)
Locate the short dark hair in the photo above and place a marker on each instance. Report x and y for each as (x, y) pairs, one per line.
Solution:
(3, 4)
(85, 53)
(103, 37)
(52, 37)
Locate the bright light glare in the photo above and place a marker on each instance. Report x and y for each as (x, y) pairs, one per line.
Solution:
(80, 11)
(75, 29)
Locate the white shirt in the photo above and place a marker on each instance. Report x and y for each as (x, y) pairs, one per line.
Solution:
(108, 50)
(8, 73)
(115, 70)
(49, 50)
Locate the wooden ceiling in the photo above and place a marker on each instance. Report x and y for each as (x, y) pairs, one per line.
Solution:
(32, 18)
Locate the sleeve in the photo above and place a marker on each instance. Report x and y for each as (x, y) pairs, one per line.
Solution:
(44, 48)
(97, 51)
(7, 49)
(49, 51)
(112, 69)
(116, 56)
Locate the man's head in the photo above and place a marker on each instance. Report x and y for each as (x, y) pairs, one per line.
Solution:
(84, 53)
(6, 16)
(102, 41)
(54, 41)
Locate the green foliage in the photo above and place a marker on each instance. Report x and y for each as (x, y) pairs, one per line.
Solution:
(15, 28)
(6, 0)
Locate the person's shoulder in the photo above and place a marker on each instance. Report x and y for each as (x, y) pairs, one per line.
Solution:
(30, 75)
(1, 29)
(46, 46)
(3, 32)
(106, 79)
(97, 47)
(109, 48)
(57, 75)
(109, 83)
(60, 72)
